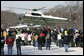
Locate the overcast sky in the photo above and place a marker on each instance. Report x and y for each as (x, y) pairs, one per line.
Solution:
(28, 4)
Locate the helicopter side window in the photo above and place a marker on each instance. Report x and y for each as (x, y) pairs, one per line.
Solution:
(35, 14)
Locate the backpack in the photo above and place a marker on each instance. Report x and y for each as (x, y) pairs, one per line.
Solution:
(42, 34)
(47, 37)
(9, 40)
(4, 34)
(3, 41)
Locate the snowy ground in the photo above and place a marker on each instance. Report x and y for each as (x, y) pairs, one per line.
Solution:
(30, 50)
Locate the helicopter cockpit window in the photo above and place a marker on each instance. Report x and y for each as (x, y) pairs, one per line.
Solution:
(35, 14)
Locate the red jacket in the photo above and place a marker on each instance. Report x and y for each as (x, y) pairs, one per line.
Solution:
(9, 40)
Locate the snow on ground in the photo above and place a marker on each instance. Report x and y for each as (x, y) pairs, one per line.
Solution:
(30, 50)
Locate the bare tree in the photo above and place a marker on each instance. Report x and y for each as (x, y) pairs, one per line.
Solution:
(8, 18)
(73, 10)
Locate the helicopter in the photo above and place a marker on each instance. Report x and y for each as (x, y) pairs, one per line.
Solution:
(35, 13)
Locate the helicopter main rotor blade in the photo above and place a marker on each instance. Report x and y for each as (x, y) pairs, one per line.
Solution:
(41, 8)
(27, 9)
(18, 8)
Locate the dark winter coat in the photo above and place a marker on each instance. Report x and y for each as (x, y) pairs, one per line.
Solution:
(65, 39)
(2, 41)
(18, 42)
(70, 31)
(40, 40)
(48, 41)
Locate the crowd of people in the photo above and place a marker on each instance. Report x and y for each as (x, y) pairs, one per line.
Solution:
(41, 37)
